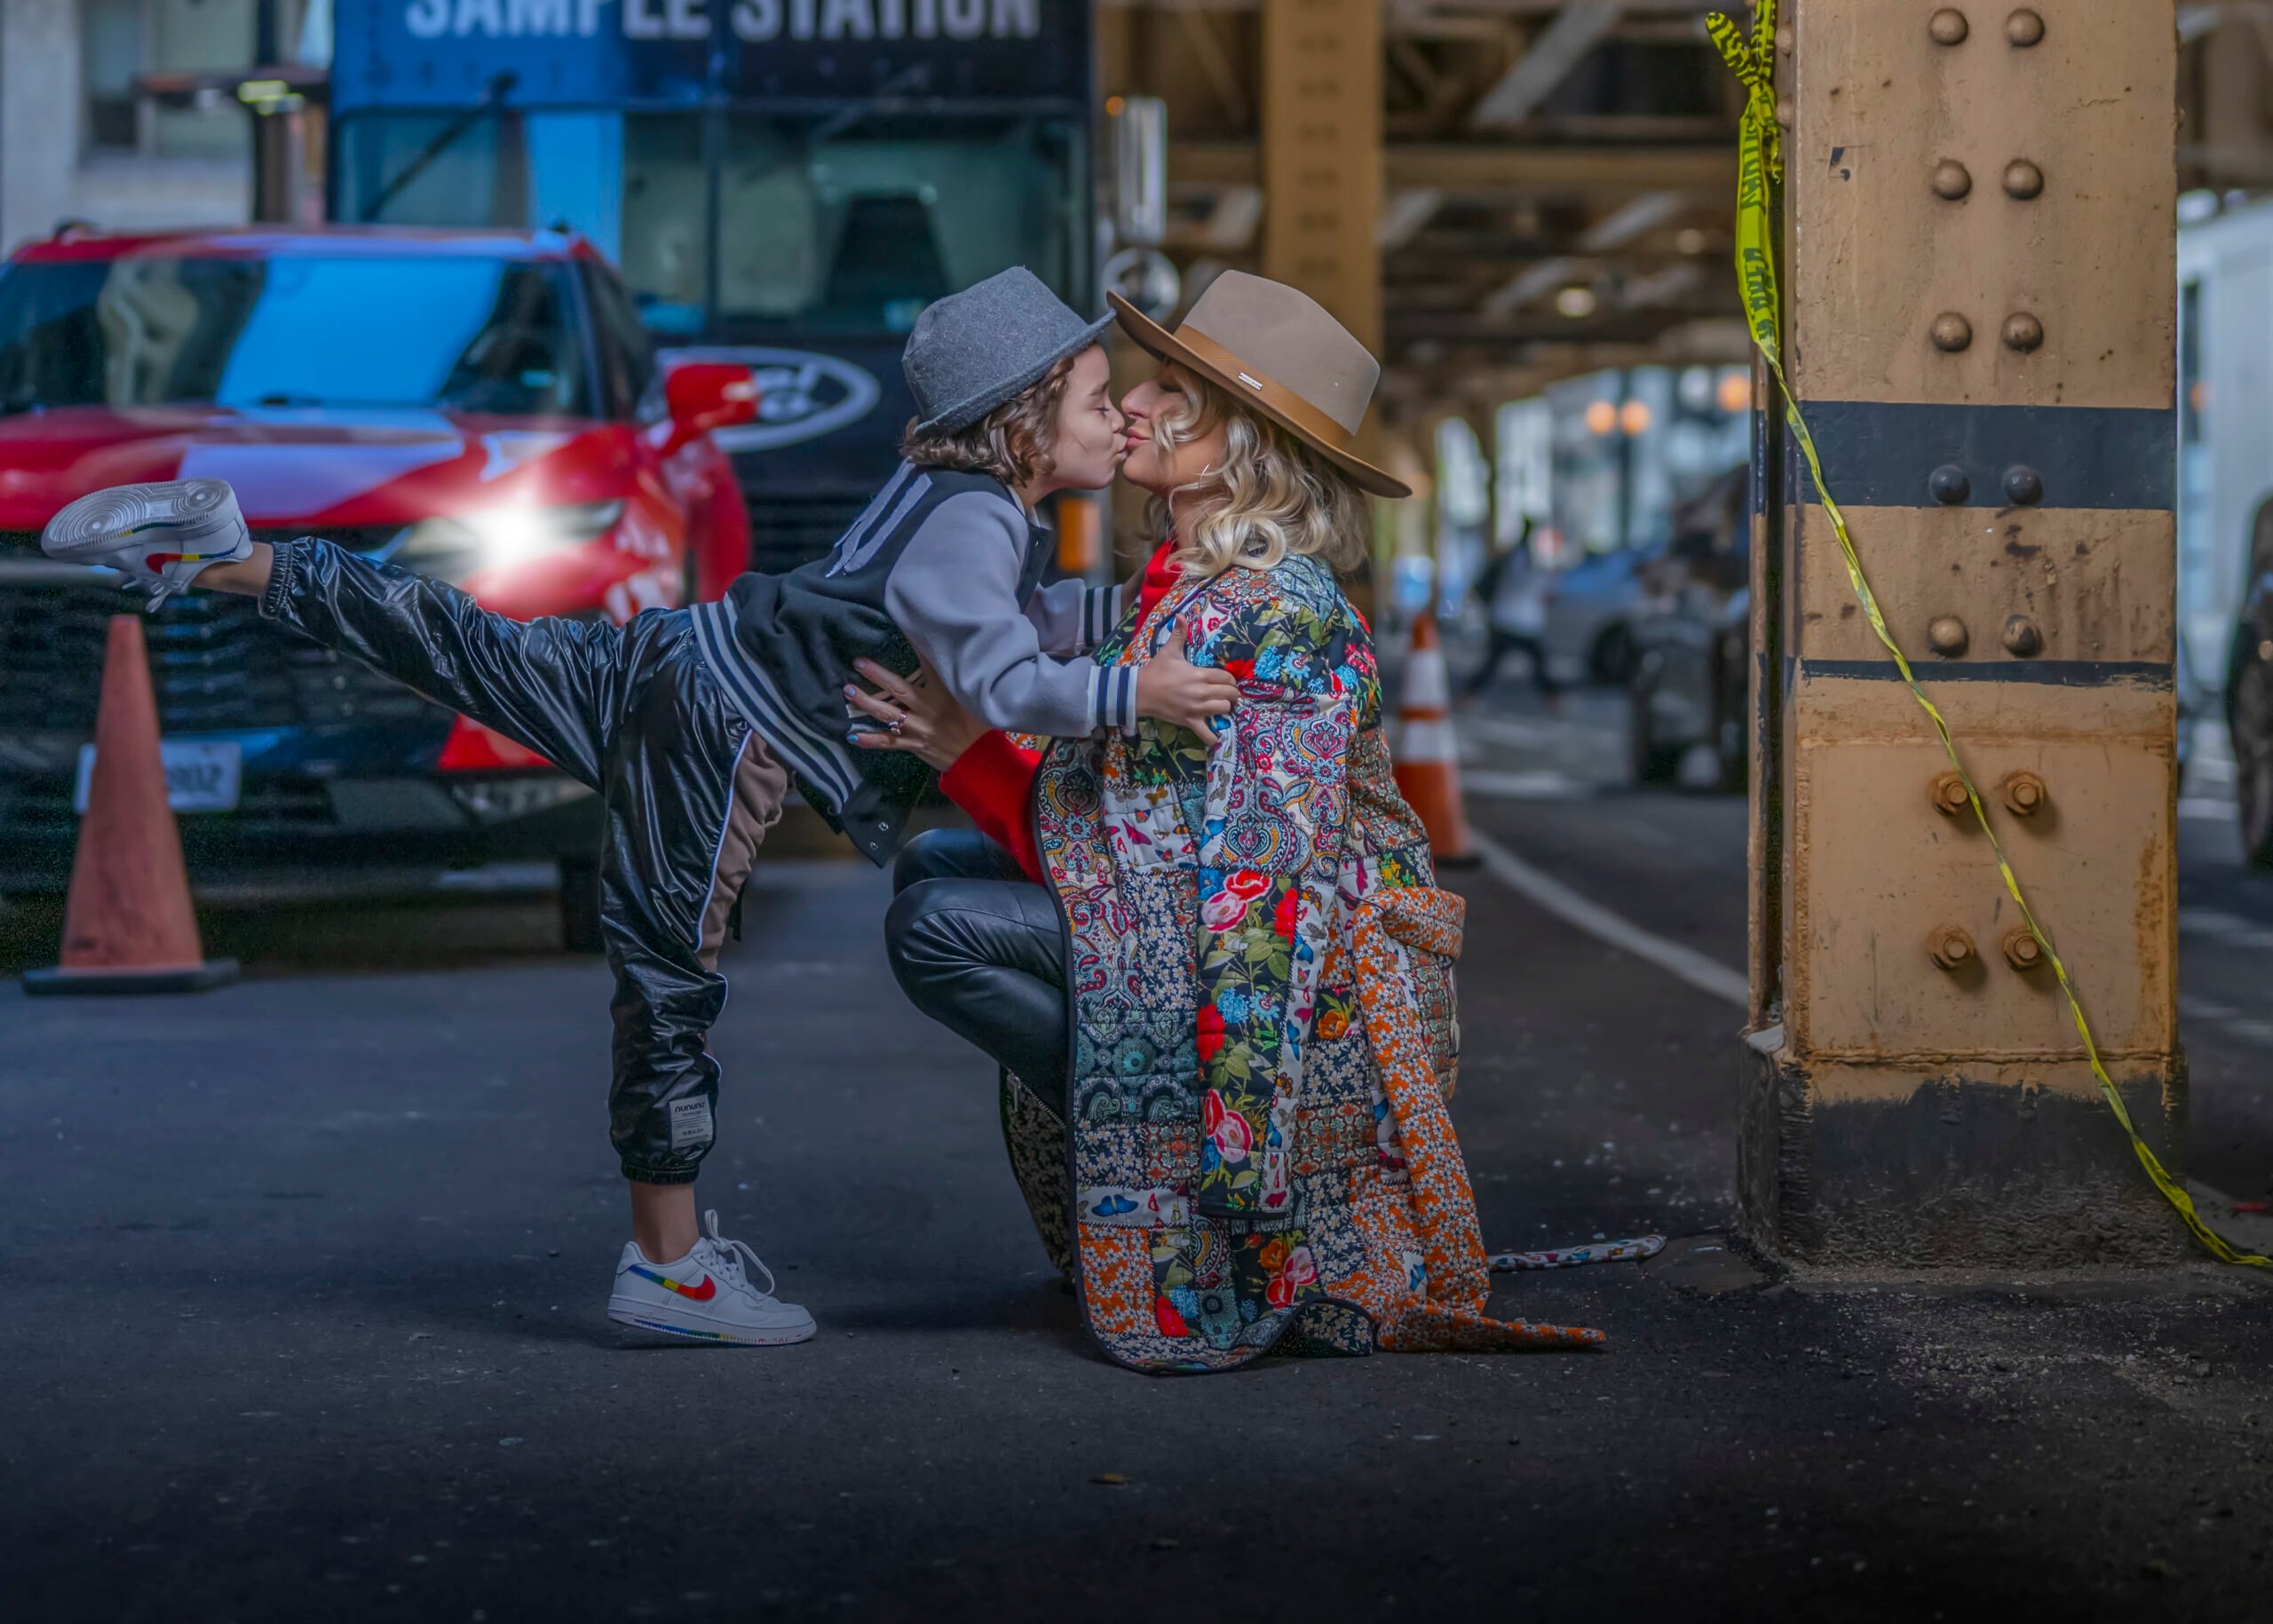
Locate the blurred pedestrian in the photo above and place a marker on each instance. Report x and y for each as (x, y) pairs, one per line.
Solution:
(1513, 591)
(694, 724)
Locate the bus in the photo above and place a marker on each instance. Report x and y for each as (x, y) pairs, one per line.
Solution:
(783, 183)
(2225, 419)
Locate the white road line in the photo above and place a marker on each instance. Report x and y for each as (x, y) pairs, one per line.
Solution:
(1503, 730)
(2207, 810)
(2221, 927)
(1707, 975)
(1543, 785)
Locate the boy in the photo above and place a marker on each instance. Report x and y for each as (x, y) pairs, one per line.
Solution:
(695, 723)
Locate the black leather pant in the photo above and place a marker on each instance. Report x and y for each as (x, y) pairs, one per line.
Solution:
(980, 948)
(633, 712)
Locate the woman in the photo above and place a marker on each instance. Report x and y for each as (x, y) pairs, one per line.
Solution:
(1228, 1003)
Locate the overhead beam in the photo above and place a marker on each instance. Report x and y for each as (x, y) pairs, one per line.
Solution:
(1231, 225)
(1459, 327)
(1459, 170)
(1641, 215)
(1399, 14)
(1529, 285)
(1574, 32)
(1407, 215)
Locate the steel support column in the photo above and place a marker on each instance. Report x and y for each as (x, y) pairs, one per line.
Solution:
(1978, 280)
(1322, 155)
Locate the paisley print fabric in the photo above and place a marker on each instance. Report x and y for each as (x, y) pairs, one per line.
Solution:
(1264, 1034)
(1035, 1136)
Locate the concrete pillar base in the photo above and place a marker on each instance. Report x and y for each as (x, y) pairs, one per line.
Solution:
(1974, 1165)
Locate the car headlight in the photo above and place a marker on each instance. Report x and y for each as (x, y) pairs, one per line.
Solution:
(499, 536)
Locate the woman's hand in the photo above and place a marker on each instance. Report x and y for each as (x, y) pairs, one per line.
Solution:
(919, 716)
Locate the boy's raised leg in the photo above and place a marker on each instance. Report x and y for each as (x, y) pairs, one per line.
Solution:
(566, 689)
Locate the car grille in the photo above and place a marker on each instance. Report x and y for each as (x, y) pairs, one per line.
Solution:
(787, 531)
(38, 810)
(215, 665)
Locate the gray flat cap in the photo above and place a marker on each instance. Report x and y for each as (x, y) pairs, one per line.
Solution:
(972, 351)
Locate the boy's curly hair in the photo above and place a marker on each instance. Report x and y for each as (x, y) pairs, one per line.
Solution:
(1011, 442)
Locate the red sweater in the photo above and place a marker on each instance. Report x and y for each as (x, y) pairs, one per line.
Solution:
(993, 780)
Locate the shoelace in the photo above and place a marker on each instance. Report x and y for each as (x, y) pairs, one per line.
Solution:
(724, 1260)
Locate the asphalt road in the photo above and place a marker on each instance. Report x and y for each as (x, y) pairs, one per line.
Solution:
(305, 1283)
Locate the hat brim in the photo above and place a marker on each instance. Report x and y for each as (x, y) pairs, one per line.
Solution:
(963, 414)
(1158, 340)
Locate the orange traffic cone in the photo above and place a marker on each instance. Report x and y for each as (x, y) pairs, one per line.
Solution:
(1428, 763)
(128, 926)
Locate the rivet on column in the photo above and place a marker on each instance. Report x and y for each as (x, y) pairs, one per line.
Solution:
(2024, 486)
(2022, 637)
(2025, 795)
(1948, 794)
(2023, 332)
(2024, 179)
(1948, 26)
(1951, 948)
(1952, 332)
(1786, 39)
(1947, 636)
(2022, 952)
(1785, 117)
(2024, 27)
(1948, 485)
(1950, 179)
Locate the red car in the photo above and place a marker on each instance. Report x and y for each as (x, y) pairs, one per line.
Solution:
(482, 406)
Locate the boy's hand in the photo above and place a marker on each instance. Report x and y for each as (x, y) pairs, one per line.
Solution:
(1170, 688)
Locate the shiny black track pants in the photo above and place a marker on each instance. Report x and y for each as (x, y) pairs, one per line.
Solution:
(980, 948)
(631, 712)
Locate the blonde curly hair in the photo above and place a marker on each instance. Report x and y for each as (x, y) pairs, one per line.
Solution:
(1269, 498)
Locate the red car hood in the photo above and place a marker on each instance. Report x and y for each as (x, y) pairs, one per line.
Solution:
(303, 467)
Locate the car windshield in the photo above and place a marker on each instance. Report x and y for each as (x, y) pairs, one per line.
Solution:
(478, 335)
(844, 222)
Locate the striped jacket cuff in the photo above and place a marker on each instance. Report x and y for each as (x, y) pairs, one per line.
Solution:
(1100, 610)
(1112, 697)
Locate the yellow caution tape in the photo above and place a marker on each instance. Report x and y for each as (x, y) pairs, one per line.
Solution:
(1759, 173)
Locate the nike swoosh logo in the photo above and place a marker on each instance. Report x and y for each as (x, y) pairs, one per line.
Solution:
(694, 1291)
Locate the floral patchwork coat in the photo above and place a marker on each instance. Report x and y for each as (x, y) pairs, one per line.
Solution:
(1256, 1154)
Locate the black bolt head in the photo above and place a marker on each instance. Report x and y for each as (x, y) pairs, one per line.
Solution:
(1948, 485)
(2024, 486)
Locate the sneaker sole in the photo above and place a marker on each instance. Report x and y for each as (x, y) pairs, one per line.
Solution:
(191, 513)
(630, 1314)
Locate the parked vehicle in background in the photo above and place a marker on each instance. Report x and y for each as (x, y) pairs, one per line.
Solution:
(2249, 696)
(1689, 698)
(1591, 608)
(481, 406)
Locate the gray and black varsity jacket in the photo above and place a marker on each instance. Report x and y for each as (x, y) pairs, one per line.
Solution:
(941, 564)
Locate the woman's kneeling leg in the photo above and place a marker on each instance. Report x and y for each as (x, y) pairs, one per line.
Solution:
(987, 960)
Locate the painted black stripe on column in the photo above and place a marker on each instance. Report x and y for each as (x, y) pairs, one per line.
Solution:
(1879, 454)
(2044, 673)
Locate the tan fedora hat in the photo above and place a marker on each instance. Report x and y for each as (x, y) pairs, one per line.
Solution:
(1276, 348)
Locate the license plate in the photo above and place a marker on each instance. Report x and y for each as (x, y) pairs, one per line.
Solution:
(202, 774)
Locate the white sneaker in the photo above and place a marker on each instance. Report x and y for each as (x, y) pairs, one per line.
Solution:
(155, 536)
(705, 1296)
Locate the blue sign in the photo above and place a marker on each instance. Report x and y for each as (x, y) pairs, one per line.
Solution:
(443, 53)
